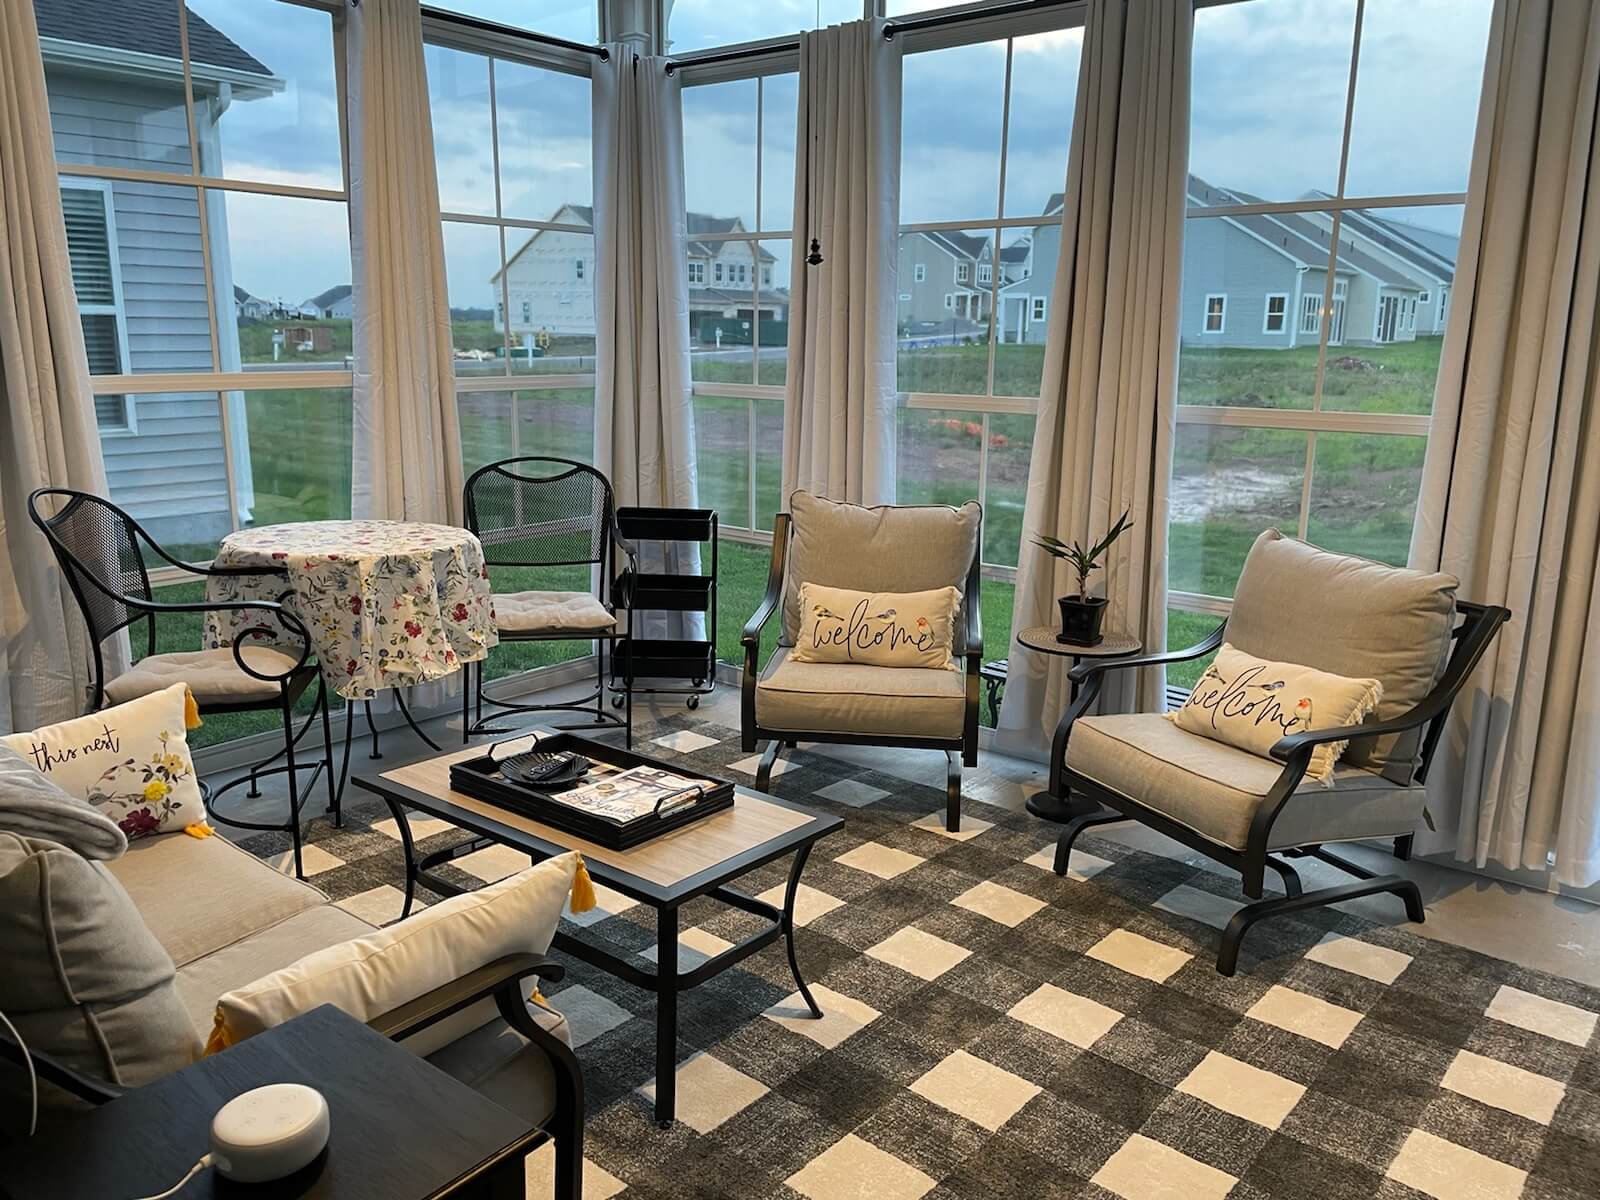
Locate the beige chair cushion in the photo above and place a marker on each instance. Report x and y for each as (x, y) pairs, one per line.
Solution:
(198, 895)
(1352, 617)
(1215, 790)
(800, 697)
(550, 612)
(212, 675)
(905, 548)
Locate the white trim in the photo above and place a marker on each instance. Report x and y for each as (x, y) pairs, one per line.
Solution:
(1283, 314)
(919, 273)
(116, 309)
(116, 62)
(1038, 309)
(950, 301)
(1222, 315)
(963, 272)
(1311, 314)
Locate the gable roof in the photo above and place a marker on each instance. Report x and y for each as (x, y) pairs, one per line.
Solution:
(583, 214)
(330, 297)
(962, 245)
(1053, 205)
(145, 27)
(1016, 252)
(1395, 240)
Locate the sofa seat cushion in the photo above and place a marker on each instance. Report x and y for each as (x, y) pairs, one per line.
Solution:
(261, 952)
(198, 895)
(802, 697)
(550, 612)
(213, 676)
(1215, 789)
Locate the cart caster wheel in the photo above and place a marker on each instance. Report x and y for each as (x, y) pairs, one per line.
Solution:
(617, 702)
(693, 702)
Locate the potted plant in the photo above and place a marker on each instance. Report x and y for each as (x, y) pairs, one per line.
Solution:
(1081, 615)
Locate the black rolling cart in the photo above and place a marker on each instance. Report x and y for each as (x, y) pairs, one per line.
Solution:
(690, 662)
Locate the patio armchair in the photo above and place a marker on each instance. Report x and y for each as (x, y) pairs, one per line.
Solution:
(1293, 603)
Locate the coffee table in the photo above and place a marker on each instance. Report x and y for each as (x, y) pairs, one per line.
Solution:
(700, 859)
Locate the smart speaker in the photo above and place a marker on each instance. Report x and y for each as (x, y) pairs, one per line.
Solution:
(268, 1133)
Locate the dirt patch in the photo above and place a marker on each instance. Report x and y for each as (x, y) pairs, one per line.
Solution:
(1349, 362)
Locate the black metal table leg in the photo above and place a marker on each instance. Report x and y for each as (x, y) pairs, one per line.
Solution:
(666, 1015)
(410, 847)
(400, 699)
(787, 925)
(1051, 804)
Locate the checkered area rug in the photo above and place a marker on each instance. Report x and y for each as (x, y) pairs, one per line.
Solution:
(992, 1030)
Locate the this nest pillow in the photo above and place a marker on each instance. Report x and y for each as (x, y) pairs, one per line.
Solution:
(1251, 704)
(877, 629)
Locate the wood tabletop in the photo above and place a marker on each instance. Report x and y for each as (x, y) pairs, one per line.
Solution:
(1045, 638)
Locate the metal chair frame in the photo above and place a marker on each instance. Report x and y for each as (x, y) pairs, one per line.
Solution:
(85, 582)
(958, 752)
(614, 592)
(1471, 637)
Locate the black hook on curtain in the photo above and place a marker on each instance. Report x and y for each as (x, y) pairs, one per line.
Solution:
(815, 257)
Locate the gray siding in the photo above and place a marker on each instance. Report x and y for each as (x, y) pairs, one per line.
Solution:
(163, 277)
(1220, 257)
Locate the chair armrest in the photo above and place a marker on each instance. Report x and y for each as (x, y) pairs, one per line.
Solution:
(1429, 707)
(48, 1070)
(974, 600)
(432, 1007)
(751, 637)
(207, 569)
(1099, 666)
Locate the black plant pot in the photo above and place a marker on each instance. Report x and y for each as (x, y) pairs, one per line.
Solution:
(1080, 620)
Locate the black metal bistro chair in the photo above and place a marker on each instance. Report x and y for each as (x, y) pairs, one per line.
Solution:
(98, 547)
(533, 512)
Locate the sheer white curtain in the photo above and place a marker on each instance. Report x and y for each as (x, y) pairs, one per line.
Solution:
(839, 400)
(1511, 487)
(644, 417)
(1107, 408)
(407, 459)
(48, 436)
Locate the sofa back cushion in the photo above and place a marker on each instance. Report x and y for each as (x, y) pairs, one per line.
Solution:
(1353, 617)
(889, 548)
(83, 979)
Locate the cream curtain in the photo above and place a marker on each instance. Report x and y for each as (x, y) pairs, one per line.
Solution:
(407, 460)
(1511, 487)
(48, 436)
(644, 419)
(839, 400)
(1103, 442)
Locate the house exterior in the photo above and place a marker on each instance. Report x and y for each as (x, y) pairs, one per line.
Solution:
(251, 308)
(550, 282)
(944, 278)
(336, 303)
(115, 79)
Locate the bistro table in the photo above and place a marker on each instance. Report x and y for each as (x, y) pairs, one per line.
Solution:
(1050, 804)
(389, 604)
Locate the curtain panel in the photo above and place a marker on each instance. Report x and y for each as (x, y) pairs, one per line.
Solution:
(407, 438)
(1107, 407)
(839, 398)
(644, 414)
(1510, 500)
(48, 435)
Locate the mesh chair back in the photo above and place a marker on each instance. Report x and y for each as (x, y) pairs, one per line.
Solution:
(97, 545)
(540, 512)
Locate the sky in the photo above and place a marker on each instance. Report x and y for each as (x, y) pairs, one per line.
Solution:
(1267, 110)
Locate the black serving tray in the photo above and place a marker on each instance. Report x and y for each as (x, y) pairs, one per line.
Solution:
(481, 778)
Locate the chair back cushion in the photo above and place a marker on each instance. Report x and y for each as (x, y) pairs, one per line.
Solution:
(889, 548)
(1353, 617)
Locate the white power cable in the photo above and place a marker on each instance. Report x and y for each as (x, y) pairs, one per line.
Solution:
(204, 1162)
(33, 1079)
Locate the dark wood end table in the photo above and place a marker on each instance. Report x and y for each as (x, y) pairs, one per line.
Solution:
(700, 859)
(399, 1128)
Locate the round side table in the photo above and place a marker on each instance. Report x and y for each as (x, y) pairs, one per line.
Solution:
(1050, 805)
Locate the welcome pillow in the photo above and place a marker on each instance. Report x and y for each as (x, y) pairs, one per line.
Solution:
(131, 762)
(1251, 704)
(877, 629)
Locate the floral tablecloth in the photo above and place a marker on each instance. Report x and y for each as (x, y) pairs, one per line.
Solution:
(388, 604)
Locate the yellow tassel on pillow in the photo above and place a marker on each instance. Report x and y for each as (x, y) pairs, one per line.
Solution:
(220, 1038)
(199, 830)
(582, 887)
(191, 711)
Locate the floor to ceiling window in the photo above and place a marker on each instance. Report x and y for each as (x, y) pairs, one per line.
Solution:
(1329, 152)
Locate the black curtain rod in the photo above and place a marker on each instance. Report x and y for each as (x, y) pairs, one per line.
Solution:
(511, 31)
(904, 25)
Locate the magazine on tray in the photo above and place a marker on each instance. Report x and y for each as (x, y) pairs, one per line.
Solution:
(628, 796)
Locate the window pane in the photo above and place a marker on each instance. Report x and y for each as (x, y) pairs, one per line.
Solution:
(942, 310)
(769, 461)
(1028, 262)
(1185, 629)
(950, 133)
(271, 115)
(299, 445)
(170, 470)
(722, 457)
(698, 24)
(295, 251)
(719, 156)
(1010, 445)
(487, 429)
(550, 290)
(780, 98)
(1267, 100)
(546, 160)
(1227, 486)
(938, 456)
(463, 137)
(574, 20)
(99, 115)
(559, 422)
(1364, 494)
(1423, 59)
(772, 317)
(722, 309)
(472, 265)
(1044, 90)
